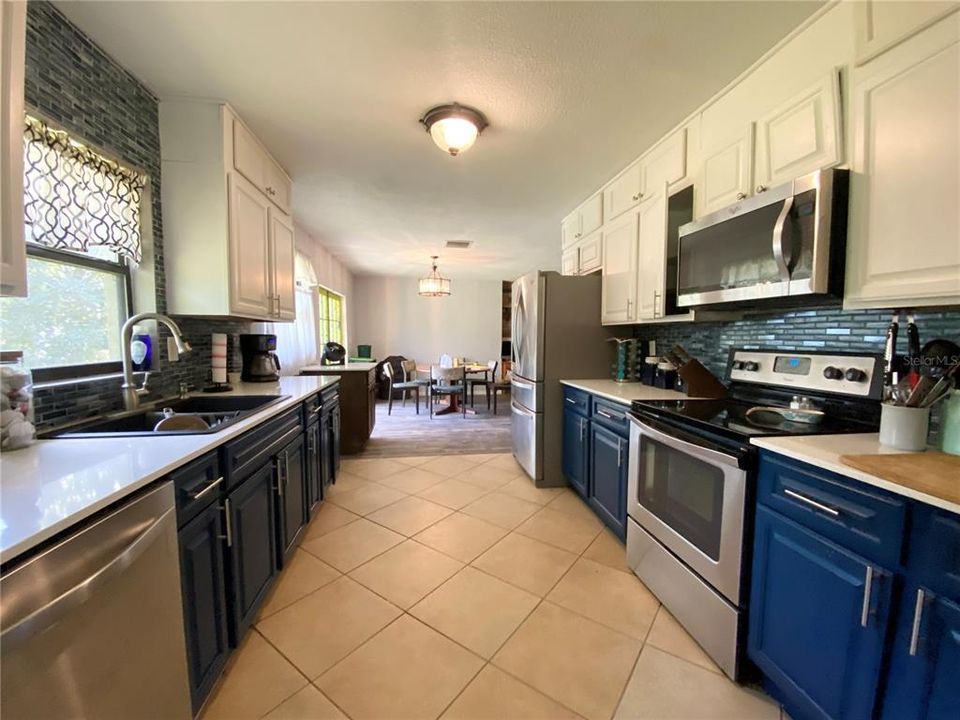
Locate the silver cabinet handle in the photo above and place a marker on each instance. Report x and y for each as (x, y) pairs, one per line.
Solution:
(917, 620)
(867, 592)
(208, 488)
(656, 301)
(583, 429)
(608, 416)
(579, 261)
(279, 480)
(228, 522)
(761, 188)
(571, 401)
(55, 610)
(629, 304)
(741, 196)
(619, 452)
(832, 512)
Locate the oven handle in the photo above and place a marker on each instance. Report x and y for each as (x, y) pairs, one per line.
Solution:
(700, 449)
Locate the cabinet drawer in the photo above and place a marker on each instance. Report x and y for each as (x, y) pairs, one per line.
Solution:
(311, 409)
(934, 552)
(196, 485)
(243, 456)
(577, 400)
(863, 519)
(612, 415)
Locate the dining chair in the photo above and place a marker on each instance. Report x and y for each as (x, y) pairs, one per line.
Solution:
(502, 383)
(487, 381)
(403, 385)
(448, 381)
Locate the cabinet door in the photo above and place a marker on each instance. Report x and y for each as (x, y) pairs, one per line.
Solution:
(623, 193)
(575, 430)
(281, 266)
(881, 24)
(291, 497)
(801, 135)
(591, 253)
(249, 158)
(726, 174)
(252, 542)
(818, 618)
(203, 586)
(277, 186)
(652, 272)
(906, 177)
(608, 477)
(250, 284)
(570, 229)
(666, 163)
(13, 258)
(619, 285)
(591, 215)
(570, 261)
(925, 663)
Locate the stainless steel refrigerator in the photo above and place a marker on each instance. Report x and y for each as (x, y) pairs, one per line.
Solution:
(556, 335)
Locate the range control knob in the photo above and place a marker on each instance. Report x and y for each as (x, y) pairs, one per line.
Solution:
(751, 366)
(832, 373)
(738, 364)
(855, 375)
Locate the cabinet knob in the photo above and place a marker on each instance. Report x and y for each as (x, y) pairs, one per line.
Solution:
(741, 196)
(761, 188)
(638, 196)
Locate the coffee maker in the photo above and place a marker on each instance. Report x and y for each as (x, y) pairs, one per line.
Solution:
(260, 362)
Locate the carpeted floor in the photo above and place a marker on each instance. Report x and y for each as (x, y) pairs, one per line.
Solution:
(404, 433)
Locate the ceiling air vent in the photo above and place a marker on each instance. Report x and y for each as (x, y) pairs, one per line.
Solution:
(458, 244)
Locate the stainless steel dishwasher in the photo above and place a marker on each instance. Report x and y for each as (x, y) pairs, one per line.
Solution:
(92, 627)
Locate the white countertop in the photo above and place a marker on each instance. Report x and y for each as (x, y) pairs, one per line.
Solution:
(53, 484)
(348, 367)
(624, 393)
(825, 450)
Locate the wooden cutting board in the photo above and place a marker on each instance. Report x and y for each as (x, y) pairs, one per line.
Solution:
(933, 473)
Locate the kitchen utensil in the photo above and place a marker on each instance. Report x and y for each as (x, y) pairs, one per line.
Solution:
(172, 421)
(941, 388)
(901, 391)
(913, 351)
(919, 392)
(904, 428)
(889, 355)
(795, 415)
(938, 356)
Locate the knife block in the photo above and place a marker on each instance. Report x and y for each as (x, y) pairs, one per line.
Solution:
(700, 382)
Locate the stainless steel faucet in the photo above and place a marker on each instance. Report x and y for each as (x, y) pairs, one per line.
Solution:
(132, 393)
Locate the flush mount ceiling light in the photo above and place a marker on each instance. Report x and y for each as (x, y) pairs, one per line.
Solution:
(434, 284)
(454, 127)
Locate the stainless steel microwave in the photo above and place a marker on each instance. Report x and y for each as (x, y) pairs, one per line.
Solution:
(786, 242)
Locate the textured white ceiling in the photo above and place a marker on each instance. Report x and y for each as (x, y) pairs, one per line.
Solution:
(573, 92)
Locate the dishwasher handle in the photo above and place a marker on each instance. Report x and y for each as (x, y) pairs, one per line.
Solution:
(54, 610)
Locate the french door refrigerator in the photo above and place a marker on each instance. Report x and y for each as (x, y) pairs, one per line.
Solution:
(556, 335)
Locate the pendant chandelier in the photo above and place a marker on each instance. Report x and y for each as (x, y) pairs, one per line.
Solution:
(434, 284)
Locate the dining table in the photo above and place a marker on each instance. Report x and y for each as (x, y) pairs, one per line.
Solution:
(454, 405)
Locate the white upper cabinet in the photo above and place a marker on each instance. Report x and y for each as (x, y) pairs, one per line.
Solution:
(623, 193)
(252, 161)
(904, 237)
(582, 221)
(666, 163)
(584, 256)
(726, 173)
(881, 24)
(570, 229)
(570, 261)
(619, 286)
(13, 259)
(800, 136)
(228, 242)
(652, 234)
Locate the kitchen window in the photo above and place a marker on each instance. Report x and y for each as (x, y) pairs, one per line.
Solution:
(330, 317)
(82, 226)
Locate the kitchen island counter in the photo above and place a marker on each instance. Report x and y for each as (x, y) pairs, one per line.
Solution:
(54, 484)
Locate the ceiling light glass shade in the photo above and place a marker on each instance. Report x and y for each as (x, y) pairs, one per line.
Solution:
(434, 285)
(454, 127)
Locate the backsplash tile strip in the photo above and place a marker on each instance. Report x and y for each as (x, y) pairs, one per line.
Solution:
(75, 84)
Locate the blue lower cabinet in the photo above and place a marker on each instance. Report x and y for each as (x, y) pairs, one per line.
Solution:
(204, 600)
(607, 488)
(575, 450)
(252, 546)
(292, 497)
(818, 620)
(924, 679)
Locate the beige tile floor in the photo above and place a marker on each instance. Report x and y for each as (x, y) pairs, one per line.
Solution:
(451, 587)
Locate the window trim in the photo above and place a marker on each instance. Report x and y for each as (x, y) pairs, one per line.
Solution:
(60, 373)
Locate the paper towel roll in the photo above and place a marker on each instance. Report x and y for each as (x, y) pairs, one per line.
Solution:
(218, 357)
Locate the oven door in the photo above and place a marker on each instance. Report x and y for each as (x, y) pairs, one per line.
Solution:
(690, 496)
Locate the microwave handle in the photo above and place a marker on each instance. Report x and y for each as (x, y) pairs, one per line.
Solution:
(783, 241)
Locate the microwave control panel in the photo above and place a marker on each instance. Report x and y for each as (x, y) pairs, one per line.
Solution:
(856, 375)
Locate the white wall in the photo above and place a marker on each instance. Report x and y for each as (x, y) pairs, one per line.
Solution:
(395, 320)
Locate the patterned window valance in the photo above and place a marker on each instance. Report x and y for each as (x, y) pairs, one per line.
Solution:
(74, 198)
